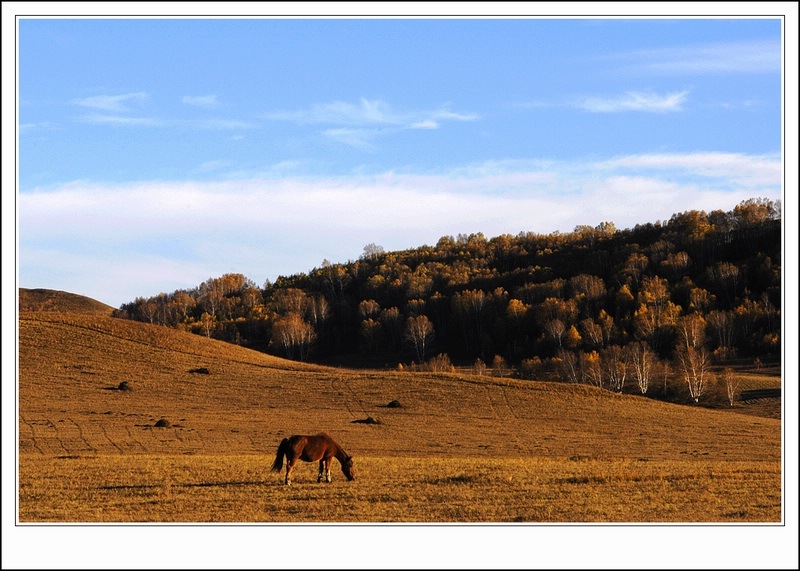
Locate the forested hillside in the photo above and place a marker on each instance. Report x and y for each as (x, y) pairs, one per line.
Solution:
(621, 309)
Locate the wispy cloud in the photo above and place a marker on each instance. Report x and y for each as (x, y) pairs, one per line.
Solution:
(122, 120)
(116, 110)
(745, 171)
(26, 128)
(112, 103)
(359, 125)
(368, 113)
(426, 124)
(756, 56)
(211, 166)
(219, 124)
(204, 101)
(358, 138)
(201, 124)
(635, 101)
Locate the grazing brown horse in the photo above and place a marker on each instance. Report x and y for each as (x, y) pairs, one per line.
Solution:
(310, 449)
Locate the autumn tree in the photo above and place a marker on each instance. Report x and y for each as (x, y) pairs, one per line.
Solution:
(371, 333)
(368, 308)
(515, 314)
(727, 281)
(391, 320)
(294, 335)
(184, 303)
(656, 312)
(469, 309)
(207, 323)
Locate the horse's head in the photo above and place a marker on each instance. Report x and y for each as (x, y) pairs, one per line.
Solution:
(348, 470)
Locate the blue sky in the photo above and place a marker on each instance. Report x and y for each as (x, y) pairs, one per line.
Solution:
(156, 153)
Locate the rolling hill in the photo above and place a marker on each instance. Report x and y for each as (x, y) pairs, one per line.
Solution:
(90, 384)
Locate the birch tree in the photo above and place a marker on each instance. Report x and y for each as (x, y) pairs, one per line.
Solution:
(643, 362)
(731, 384)
(695, 366)
(419, 332)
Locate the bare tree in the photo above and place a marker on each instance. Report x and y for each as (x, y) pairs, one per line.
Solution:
(731, 384)
(569, 364)
(695, 367)
(499, 365)
(691, 329)
(591, 368)
(722, 324)
(372, 251)
(208, 323)
(556, 330)
(643, 362)
(591, 332)
(615, 366)
(419, 331)
(692, 357)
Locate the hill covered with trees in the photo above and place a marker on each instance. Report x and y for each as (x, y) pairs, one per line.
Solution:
(662, 303)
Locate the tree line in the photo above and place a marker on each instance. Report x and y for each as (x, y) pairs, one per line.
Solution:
(620, 309)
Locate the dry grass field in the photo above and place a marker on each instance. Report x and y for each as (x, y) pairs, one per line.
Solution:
(459, 448)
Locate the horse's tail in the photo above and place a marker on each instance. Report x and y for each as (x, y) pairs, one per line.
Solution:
(277, 466)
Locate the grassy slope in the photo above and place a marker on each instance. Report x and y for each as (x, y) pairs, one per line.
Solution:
(70, 364)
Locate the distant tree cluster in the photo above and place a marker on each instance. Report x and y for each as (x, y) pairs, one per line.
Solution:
(620, 309)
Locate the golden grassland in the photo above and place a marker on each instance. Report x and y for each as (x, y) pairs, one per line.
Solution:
(239, 488)
(461, 448)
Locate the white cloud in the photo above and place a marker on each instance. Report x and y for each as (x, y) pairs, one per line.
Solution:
(204, 101)
(283, 225)
(112, 103)
(756, 56)
(635, 101)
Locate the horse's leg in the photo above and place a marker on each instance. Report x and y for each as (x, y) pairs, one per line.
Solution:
(289, 466)
(327, 469)
(321, 469)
